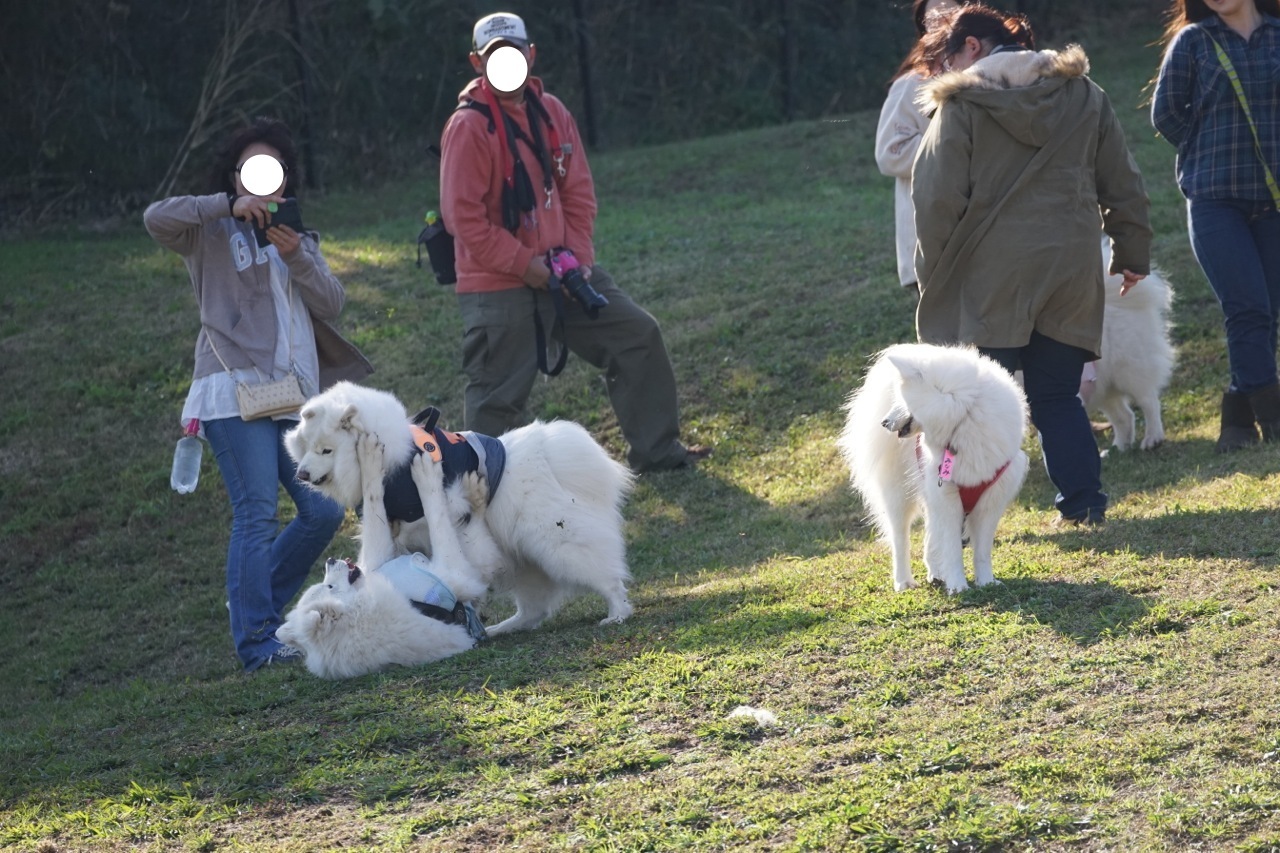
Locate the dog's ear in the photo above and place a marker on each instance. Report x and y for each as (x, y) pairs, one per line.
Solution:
(907, 367)
(350, 419)
(293, 441)
(308, 412)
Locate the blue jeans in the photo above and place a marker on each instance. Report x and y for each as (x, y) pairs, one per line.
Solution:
(1238, 246)
(1051, 376)
(266, 566)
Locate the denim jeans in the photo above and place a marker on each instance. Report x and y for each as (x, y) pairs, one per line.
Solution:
(266, 566)
(1051, 376)
(1238, 246)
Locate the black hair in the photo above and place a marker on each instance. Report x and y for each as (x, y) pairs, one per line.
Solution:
(984, 23)
(263, 129)
(922, 19)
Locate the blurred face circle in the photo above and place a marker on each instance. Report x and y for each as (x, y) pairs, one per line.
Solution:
(506, 69)
(260, 171)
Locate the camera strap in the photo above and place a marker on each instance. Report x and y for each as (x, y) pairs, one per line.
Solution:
(545, 155)
(517, 189)
(539, 333)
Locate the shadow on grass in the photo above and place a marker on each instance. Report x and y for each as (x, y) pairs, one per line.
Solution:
(1229, 534)
(670, 509)
(1082, 612)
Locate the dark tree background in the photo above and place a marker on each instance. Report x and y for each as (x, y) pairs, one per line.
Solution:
(106, 104)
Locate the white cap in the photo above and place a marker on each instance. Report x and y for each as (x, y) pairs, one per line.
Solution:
(500, 26)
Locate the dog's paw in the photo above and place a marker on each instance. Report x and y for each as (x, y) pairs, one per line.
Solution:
(476, 490)
(428, 473)
(903, 586)
(618, 614)
(957, 587)
(372, 455)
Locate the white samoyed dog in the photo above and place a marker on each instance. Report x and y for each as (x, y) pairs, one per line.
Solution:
(1137, 358)
(552, 527)
(356, 622)
(937, 431)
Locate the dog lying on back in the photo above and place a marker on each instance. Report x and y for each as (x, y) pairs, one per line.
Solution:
(553, 521)
(404, 612)
(937, 431)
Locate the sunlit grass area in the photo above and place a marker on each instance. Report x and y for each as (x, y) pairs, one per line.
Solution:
(1114, 692)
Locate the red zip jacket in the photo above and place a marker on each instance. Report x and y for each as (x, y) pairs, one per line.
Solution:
(489, 257)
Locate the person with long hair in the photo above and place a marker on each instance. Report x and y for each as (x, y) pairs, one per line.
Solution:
(898, 135)
(1228, 142)
(1024, 157)
(264, 314)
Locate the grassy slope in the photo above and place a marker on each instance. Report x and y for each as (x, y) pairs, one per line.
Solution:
(1116, 692)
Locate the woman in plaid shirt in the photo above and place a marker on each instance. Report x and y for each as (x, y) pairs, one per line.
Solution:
(1232, 210)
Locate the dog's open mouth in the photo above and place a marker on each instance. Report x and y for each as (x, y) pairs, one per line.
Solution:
(353, 572)
(320, 481)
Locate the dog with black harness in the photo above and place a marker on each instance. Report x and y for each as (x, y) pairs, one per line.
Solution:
(552, 525)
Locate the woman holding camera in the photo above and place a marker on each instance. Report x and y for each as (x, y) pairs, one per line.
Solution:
(264, 306)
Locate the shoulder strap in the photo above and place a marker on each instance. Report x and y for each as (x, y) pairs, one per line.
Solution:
(954, 250)
(1225, 62)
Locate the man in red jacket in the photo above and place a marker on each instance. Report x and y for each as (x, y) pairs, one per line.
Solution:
(515, 185)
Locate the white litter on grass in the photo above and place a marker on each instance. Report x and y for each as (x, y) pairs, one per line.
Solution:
(764, 719)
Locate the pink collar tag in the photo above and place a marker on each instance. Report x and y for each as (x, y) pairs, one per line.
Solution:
(944, 467)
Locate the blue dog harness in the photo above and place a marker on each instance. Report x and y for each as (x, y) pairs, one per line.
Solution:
(429, 595)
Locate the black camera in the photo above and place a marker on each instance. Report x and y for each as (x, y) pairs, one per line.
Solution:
(565, 268)
(286, 213)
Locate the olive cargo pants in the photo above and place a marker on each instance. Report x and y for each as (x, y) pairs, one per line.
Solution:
(624, 341)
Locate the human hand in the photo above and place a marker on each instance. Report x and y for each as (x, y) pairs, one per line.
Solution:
(285, 239)
(253, 208)
(1130, 279)
(536, 275)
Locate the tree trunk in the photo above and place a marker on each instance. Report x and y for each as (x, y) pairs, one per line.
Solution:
(586, 71)
(789, 57)
(310, 165)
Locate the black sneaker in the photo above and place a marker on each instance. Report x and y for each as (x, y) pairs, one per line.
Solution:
(1091, 518)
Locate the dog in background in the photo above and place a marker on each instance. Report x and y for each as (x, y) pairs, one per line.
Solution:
(936, 431)
(1137, 358)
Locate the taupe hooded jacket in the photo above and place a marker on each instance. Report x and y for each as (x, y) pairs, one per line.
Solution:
(1023, 160)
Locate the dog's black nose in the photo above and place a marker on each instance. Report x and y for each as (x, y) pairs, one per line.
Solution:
(304, 476)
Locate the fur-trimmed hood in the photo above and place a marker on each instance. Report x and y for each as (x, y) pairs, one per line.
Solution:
(1016, 88)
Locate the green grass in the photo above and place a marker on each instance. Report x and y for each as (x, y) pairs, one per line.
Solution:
(1116, 692)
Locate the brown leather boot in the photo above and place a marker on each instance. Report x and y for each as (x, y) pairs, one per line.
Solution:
(1238, 426)
(1266, 411)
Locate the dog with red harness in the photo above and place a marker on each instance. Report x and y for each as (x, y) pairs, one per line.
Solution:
(937, 432)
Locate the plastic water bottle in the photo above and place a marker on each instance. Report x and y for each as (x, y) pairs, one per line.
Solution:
(186, 461)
